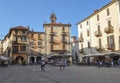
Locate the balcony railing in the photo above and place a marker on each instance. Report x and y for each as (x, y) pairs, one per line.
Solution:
(80, 39)
(52, 33)
(100, 49)
(40, 46)
(98, 33)
(32, 46)
(81, 51)
(111, 48)
(64, 33)
(64, 41)
(109, 29)
(40, 38)
(14, 42)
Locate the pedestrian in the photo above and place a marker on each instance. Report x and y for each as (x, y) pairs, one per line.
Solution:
(119, 61)
(64, 64)
(98, 63)
(112, 63)
(42, 65)
(60, 64)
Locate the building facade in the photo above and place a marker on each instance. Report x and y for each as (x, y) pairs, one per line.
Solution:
(23, 45)
(57, 39)
(1, 47)
(99, 34)
(36, 49)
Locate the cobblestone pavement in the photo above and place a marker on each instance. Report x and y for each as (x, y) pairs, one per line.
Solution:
(72, 74)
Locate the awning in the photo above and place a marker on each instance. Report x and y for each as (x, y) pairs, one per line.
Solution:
(112, 53)
(59, 56)
(103, 54)
(4, 58)
(93, 55)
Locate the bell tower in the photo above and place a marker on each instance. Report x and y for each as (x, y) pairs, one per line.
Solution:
(53, 18)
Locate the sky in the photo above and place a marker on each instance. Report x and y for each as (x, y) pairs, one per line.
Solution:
(34, 13)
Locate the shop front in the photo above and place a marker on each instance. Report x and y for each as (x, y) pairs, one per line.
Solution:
(55, 59)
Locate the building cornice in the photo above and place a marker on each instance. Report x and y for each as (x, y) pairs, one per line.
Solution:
(56, 24)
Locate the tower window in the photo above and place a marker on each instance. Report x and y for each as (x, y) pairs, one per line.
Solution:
(52, 21)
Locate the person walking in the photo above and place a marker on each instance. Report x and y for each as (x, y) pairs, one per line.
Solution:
(42, 65)
(61, 64)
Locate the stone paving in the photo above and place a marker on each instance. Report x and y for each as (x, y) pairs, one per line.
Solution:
(72, 74)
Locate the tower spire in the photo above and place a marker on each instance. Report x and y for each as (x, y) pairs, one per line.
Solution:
(53, 18)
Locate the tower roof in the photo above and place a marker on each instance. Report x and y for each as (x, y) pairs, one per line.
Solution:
(53, 15)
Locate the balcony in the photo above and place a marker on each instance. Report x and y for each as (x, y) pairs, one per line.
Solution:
(52, 33)
(64, 41)
(109, 29)
(32, 46)
(80, 39)
(20, 34)
(64, 33)
(60, 51)
(98, 33)
(100, 49)
(111, 48)
(81, 51)
(40, 46)
(14, 42)
(40, 38)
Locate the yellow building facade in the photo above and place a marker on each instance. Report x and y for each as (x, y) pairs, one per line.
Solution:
(23, 45)
(57, 39)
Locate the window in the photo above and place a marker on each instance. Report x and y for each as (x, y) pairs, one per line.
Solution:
(99, 28)
(51, 46)
(108, 12)
(81, 35)
(51, 29)
(63, 38)
(88, 33)
(110, 41)
(16, 39)
(87, 22)
(81, 47)
(88, 44)
(38, 36)
(23, 38)
(63, 47)
(51, 38)
(99, 41)
(23, 31)
(109, 23)
(16, 32)
(32, 51)
(39, 43)
(32, 35)
(81, 26)
(15, 49)
(52, 21)
(97, 17)
(31, 43)
(22, 48)
(63, 29)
